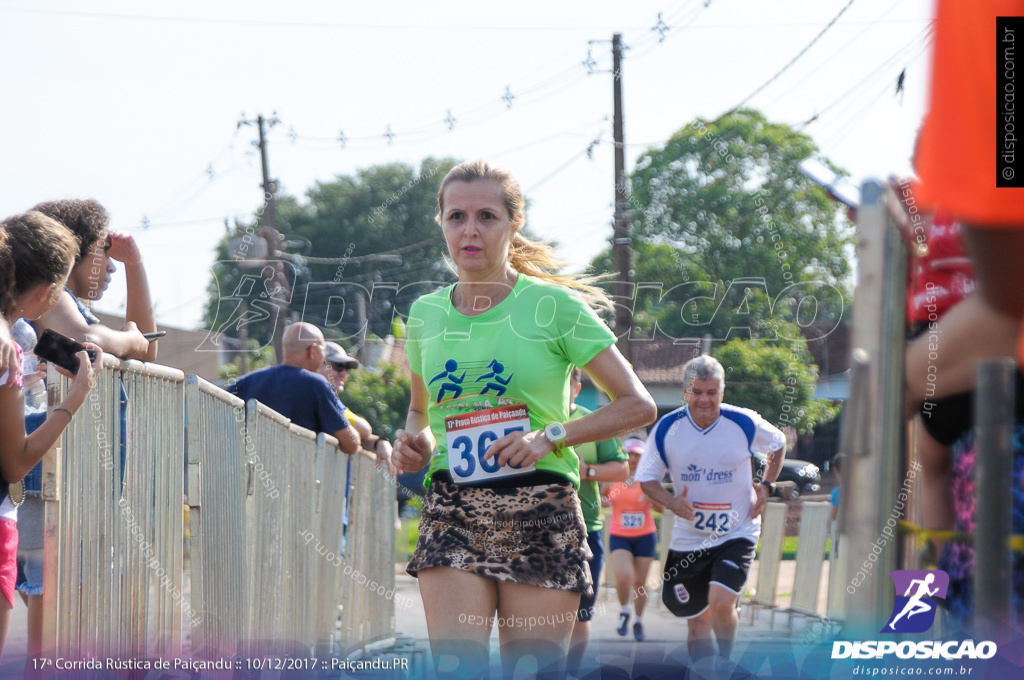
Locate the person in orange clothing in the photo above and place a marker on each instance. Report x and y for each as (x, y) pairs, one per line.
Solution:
(634, 539)
(963, 159)
(969, 159)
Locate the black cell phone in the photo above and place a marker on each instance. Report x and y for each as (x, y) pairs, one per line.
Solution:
(154, 335)
(60, 349)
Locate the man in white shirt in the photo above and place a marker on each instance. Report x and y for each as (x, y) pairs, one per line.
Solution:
(706, 447)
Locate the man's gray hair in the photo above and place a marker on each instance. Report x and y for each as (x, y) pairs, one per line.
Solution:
(703, 367)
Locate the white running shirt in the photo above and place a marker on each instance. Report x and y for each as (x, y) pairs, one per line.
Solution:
(713, 464)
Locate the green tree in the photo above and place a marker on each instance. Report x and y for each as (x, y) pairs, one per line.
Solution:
(657, 267)
(382, 397)
(755, 241)
(776, 380)
(259, 357)
(379, 210)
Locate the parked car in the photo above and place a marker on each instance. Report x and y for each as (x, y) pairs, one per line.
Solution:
(804, 474)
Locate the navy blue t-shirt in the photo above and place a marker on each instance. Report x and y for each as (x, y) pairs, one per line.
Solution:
(300, 395)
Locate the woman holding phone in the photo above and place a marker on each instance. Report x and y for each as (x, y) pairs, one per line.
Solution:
(36, 255)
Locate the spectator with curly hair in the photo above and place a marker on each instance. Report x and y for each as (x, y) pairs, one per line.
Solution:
(97, 247)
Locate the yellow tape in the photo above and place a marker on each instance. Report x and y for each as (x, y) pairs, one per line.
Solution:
(908, 529)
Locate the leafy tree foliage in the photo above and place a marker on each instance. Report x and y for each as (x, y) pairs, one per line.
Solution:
(382, 397)
(776, 379)
(259, 357)
(730, 238)
(378, 211)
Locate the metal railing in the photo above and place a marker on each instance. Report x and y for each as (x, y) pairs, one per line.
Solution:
(266, 501)
(113, 547)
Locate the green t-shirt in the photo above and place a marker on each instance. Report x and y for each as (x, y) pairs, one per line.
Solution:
(593, 453)
(518, 353)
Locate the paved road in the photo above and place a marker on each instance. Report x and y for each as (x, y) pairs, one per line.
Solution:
(663, 654)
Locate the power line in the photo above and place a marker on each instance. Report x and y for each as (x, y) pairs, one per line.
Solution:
(885, 64)
(300, 24)
(558, 83)
(796, 58)
(822, 63)
(369, 258)
(198, 220)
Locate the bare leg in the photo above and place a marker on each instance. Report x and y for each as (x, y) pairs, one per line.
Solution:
(460, 608)
(622, 563)
(535, 623)
(936, 469)
(578, 645)
(724, 618)
(5, 621)
(699, 636)
(643, 566)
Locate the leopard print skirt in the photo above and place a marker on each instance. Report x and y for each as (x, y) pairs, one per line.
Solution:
(533, 535)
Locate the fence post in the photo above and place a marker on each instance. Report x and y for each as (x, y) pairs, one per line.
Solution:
(875, 452)
(993, 561)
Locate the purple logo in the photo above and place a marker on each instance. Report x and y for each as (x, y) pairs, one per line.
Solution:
(914, 611)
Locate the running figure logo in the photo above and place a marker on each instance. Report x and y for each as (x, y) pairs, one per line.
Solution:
(460, 376)
(913, 613)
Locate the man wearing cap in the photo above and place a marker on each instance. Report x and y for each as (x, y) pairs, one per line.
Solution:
(336, 368)
(337, 365)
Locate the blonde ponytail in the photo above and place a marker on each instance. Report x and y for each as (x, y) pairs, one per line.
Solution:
(538, 259)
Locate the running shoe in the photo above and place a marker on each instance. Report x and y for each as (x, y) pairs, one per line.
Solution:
(623, 623)
(638, 631)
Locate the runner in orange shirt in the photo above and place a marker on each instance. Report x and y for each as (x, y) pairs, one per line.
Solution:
(633, 541)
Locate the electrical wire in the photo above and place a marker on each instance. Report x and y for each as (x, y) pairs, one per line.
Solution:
(822, 63)
(926, 33)
(366, 258)
(296, 24)
(796, 58)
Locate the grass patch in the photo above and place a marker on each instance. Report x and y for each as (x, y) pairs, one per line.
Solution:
(405, 540)
(790, 545)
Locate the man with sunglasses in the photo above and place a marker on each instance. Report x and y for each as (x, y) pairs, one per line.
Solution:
(337, 365)
(336, 368)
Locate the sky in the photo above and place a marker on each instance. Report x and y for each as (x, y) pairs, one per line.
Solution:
(137, 104)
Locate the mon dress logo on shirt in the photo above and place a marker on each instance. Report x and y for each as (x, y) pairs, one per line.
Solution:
(695, 473)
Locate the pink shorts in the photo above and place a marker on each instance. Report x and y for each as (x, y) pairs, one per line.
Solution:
(8, 558)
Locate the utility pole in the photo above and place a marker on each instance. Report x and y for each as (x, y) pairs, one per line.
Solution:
(268, 230)
(622, 252)
(269, 186)
(362, 314)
